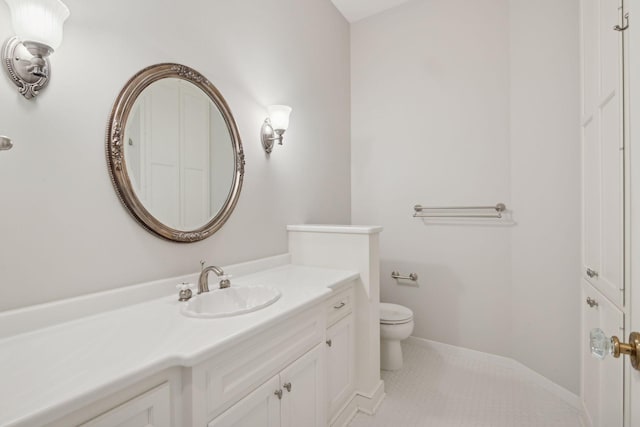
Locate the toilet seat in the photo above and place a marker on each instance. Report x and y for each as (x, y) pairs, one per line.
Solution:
(394, 314)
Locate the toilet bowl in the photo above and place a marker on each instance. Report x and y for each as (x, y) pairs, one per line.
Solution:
(396, 324)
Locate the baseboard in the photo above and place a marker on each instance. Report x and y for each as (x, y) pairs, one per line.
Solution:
(585, 419)
(367, 403)
(565, 395)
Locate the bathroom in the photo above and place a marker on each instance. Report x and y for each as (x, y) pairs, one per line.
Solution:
(395, 103)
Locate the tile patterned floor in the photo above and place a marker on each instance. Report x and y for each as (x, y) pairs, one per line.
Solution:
(435, 389)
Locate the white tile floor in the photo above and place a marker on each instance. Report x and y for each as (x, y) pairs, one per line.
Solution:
(441, 389)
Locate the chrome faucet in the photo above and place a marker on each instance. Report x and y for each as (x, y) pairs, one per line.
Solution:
(203, 281)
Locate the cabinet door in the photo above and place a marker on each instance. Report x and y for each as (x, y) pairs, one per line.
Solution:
(340, 363)
(261, 408)
(152, 409)
(603, 145)
(602, 380)
(302, 382)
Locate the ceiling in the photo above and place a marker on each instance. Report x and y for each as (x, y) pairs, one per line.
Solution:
(355, 10)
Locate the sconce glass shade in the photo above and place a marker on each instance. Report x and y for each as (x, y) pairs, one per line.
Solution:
(274, 126)
(39, 21)
(279, 116)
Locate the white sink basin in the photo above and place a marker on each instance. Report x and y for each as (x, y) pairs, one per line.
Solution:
(230, 301)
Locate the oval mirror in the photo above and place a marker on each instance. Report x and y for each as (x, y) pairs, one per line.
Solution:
(174, 153)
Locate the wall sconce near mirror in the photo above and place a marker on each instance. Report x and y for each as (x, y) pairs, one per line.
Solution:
(38, 27)
(5, 143)
(274, 126)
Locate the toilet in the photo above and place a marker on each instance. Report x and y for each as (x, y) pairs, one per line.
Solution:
(396, 324)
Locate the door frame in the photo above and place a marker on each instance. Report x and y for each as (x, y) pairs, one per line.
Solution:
(632, 209)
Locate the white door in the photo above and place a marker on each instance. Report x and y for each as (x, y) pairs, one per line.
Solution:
(603, 206)
(602, 138)
(303, 399)
(162, 152)
(261, 408)
(171, 151)
(195, 165)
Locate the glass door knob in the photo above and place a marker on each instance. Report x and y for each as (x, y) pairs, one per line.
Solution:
(601, 345)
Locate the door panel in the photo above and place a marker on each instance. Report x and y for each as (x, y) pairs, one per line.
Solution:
(610, 280)
(151, 409)
(603, 156)
(195, 157)
(304, 404)
(261, 408)
(602, 380)
(591, 198)
(162, 153)
(340, 363)
(610, 48)
(589, 13)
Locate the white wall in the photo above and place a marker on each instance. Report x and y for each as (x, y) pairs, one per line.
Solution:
(546, 188)
(430, 111)
(63, 232)
(434, 84)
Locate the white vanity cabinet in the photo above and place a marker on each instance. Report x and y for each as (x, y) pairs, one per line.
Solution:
(310, 390)
(277, 376)
(261, 408)
(152, 402)
(236, 387)
(267, 368)
(340, 351)
(292, 398)
(151, 409)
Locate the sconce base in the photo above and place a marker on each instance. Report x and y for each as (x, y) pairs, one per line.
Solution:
(5, 143)
(17, 61)
(267, 136)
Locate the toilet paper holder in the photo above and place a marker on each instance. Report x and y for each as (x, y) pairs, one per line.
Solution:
(398, 276)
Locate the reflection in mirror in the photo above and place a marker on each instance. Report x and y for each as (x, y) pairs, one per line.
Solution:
(174, 153)
(179, 154)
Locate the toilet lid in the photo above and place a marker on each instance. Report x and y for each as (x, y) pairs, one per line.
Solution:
(394, 313)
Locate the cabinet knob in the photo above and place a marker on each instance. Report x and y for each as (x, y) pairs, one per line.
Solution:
(591, 302)
(329, 342)
(278, 393)
(287, 386)
(592, 273)
(339, 306)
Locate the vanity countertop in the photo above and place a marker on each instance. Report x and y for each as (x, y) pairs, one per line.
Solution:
(50, 372)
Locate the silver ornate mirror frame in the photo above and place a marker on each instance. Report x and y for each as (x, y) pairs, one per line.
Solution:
(117, 163)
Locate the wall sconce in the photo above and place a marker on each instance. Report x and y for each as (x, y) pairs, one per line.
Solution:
(274, 126)
(38, 27)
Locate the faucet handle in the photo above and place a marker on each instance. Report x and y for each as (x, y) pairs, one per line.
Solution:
(186, 291)
(225, 281)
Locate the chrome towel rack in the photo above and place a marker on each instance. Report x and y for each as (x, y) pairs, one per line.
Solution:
(459, 211)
